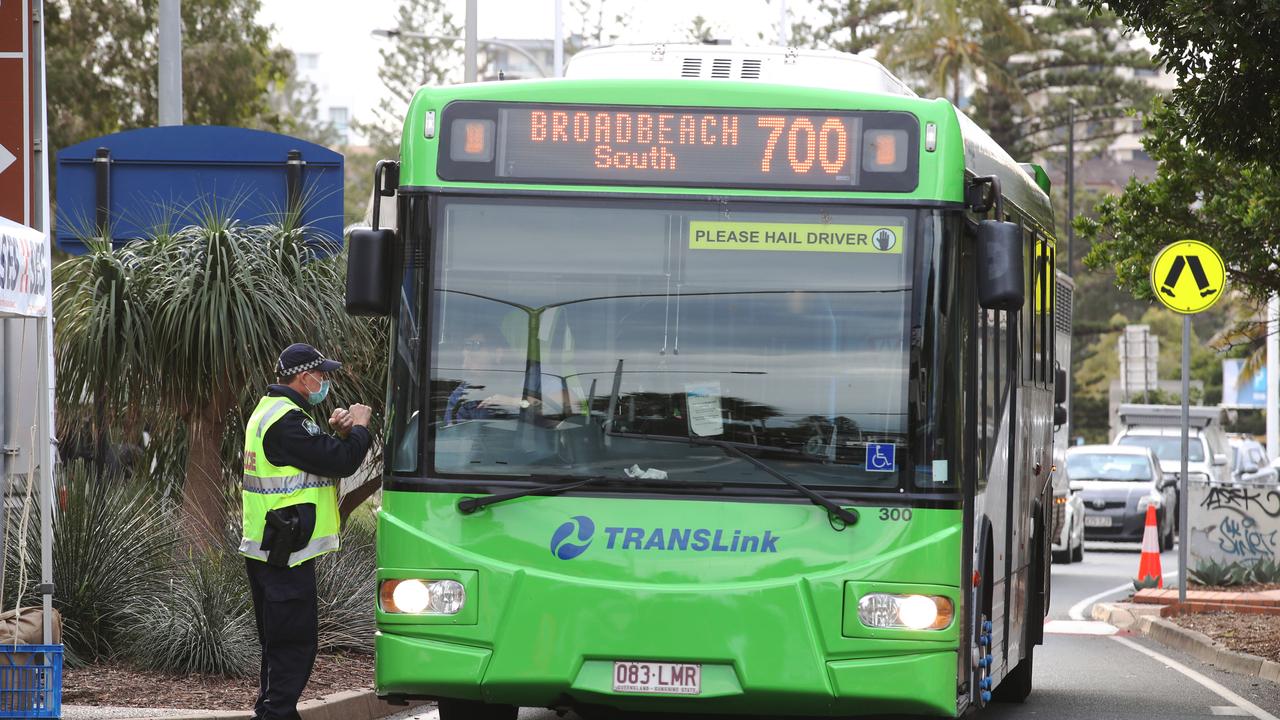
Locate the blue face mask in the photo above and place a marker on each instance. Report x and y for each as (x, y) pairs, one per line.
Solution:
(317, 397)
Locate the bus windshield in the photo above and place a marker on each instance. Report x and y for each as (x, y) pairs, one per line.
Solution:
(578, 338)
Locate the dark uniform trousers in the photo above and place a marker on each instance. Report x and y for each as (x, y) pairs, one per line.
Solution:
(284, 605)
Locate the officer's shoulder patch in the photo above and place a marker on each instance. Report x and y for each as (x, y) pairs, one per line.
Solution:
(311, 427)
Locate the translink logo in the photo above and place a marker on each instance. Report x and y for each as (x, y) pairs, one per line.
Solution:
(573, 538)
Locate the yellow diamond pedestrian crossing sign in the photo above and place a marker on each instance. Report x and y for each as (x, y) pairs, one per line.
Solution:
(1188, 276)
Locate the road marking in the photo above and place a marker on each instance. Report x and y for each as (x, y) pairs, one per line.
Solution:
(1077, 611)
(1222, 692)
(1079, 627)
(1228, 710)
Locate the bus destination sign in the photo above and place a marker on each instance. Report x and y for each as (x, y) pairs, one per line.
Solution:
(707, 147)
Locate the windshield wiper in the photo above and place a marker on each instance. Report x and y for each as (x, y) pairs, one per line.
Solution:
(831, 506)
(468, 505)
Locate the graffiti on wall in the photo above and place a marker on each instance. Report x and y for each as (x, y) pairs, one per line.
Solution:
(1234, 523)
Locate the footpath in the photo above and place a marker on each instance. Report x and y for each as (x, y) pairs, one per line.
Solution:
(347, 705)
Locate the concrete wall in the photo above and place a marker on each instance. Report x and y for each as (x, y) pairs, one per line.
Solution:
(1235, 523)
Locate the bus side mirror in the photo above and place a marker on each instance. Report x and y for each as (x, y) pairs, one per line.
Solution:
(1000, 285)
(1059, 386)
(369, 266)
(1059, 416)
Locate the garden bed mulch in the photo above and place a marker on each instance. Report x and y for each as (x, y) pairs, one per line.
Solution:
(126, 687)
(1243, 632)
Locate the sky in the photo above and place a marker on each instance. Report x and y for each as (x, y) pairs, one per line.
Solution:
(338, 31)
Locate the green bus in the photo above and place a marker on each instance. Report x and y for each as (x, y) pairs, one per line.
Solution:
(721, 382)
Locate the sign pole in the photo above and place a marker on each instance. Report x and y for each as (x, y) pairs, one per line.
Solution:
(1187, 277)
(1183, 479)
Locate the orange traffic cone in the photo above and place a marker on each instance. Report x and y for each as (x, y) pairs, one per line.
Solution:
(1149, 574)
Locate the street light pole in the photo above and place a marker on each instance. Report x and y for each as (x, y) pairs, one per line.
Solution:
(170, 83)
(469, 66)
(558, 49)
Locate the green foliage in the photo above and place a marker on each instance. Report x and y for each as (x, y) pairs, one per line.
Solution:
(1146, 583)
(1224, 56)
(346, 584)
(1265, 571)
(1215, 574)
(193, 322)
(202, 623)
(102, 58)
(944, 43)
(1063, 56)
(112, 540)
(202, 620)
(854, 26)
(1232, 204)
(408, 63)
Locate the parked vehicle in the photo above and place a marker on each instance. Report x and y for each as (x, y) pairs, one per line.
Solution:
(1249, 462)
(1159, 427)
(1117, 484)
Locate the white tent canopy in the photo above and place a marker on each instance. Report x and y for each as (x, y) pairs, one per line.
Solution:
(26, 292)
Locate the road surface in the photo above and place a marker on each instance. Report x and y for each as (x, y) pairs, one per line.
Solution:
(1085, 671)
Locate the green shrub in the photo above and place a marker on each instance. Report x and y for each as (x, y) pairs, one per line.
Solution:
(112, 542)
(346, 584)
(202, 623)
(1265, 571)
(1220, 574)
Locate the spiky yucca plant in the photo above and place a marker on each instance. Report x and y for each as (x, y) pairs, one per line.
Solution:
(112, 545)
(185, 327)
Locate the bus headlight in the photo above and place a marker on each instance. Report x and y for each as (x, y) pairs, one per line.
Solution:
(913, 612)
(422, 597)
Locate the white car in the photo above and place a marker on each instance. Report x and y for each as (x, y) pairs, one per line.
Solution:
(1067, 530)
(1068, 543)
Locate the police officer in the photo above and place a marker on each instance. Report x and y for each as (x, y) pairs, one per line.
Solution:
(291, 515)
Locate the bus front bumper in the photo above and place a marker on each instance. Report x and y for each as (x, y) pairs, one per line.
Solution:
(920, 683)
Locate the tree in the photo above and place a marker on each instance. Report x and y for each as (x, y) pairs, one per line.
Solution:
(296, 102)
(1065, 56)
(409, 61)
(1224, 56)
(1197, 193)
(194, 321)
(854, 26)
(944, 44)
(701, 31)
(102, 59)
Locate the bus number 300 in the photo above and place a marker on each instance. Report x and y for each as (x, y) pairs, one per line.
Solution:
(827, 144)
(898, 514)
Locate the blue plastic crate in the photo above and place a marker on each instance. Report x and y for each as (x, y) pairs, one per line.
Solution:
(30, 681)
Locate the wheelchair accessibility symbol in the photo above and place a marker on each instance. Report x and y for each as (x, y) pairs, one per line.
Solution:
(880, 457)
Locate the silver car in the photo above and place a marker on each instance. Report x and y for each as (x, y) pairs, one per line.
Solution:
(1118, 483)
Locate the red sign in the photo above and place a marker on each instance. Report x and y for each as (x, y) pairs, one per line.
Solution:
(17, 158)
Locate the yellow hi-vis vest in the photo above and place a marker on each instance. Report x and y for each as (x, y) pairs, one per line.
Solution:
(267, 487)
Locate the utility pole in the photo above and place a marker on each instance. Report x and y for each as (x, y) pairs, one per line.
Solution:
(558, 49)
(1071, 186)
(1273, 376)
(170, 62)
(471, 43)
